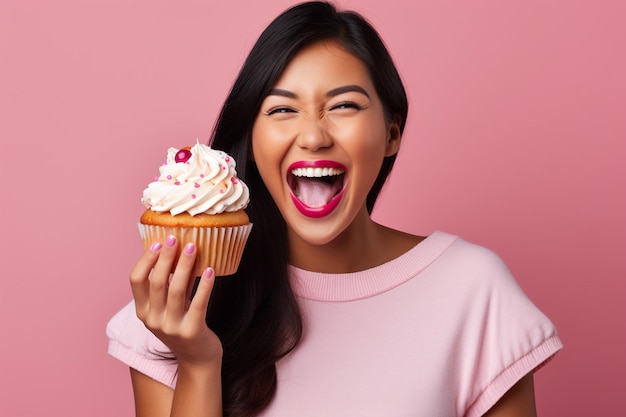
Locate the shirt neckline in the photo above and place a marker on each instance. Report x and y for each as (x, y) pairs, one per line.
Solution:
(352, 286)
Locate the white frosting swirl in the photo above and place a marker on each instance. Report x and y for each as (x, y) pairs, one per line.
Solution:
(206, 183)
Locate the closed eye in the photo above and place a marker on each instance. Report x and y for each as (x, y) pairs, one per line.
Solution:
(347, 105)
(279, 110)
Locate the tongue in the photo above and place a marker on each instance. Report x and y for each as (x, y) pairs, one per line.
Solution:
(314, 192)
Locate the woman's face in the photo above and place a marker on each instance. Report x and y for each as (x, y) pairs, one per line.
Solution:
(319, 141)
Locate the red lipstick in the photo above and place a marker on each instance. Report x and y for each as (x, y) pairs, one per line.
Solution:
(294, 182)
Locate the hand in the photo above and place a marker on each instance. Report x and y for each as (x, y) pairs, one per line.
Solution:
(162, 302)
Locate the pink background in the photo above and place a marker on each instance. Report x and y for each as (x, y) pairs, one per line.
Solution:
(516, 140)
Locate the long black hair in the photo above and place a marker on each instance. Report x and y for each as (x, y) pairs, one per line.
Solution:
(255, 312)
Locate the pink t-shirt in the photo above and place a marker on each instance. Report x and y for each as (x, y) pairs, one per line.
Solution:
(443, 330)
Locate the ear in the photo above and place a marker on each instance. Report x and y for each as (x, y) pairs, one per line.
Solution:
(394, 136)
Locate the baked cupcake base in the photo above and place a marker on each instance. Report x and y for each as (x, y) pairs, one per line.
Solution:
(218, 247)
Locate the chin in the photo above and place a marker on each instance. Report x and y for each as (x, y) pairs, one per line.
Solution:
(316, 235)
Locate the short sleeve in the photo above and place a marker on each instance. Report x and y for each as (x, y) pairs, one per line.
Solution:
(506, 335)
(133, 344)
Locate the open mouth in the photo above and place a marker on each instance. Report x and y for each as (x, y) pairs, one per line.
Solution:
(316, 186)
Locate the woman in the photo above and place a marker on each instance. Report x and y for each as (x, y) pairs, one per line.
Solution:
(330, 313)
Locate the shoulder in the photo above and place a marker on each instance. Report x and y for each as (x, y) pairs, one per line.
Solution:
(500, 335)
(473, 277)
(469, 253)
(469, 260)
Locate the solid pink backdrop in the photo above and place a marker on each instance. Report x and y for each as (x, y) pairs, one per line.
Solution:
(516, 140)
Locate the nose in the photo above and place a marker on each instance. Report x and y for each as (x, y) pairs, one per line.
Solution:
(314, 136)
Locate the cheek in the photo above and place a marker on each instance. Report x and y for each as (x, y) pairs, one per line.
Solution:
(367, 143)
(267, 153)
(367, 148)
(261, 145)
(266, 138)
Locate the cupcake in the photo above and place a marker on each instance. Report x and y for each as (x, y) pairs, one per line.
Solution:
(198, 198)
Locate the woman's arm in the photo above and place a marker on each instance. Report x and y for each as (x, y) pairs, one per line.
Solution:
(519, 401)
(163, 304)
(191, 397)
(151, 397)
(198, 391)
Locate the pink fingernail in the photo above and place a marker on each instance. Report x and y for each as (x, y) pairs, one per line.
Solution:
(156, 246)
(189, 249)
(170, 241)
(208, 273)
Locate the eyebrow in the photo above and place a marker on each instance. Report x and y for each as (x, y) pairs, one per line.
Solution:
(332, 93)
(346, 89)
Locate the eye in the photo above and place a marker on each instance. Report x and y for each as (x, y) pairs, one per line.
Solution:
(279, 110)
(347, 105)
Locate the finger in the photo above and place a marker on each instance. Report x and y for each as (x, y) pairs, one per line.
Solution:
(199, 304)
(159, 280)
(177, 300)
(191, 290)
(139, 282)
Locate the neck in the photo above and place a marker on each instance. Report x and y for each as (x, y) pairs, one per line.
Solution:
(363, 245)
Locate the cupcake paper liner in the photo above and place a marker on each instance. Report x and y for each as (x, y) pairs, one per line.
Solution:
(218, 247)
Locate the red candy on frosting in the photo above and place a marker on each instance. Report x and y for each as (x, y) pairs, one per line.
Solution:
(183, 154)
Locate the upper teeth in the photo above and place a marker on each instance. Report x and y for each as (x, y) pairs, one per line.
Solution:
(316, 172)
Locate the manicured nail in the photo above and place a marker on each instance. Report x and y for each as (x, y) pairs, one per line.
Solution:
(189, 249)
(156, 246)
(208, 273)
(170, 241)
